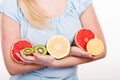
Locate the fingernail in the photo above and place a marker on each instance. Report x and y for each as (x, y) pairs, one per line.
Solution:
(34, 54)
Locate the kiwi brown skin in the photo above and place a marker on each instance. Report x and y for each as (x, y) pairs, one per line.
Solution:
(28, 51)
(40, 49)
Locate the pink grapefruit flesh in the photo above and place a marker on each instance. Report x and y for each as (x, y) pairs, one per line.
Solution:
(17, 47)
(82, 37)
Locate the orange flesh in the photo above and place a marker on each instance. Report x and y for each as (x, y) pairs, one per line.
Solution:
(95, 46)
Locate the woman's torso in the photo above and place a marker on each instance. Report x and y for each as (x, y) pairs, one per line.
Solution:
(66, 24)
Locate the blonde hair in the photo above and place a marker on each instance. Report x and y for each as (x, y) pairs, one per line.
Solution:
(33, 13)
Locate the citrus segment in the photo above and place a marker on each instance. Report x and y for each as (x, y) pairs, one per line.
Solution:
(82, 37)
(95, 46)
(58, 46)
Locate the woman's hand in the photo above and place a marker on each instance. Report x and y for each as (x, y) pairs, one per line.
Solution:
(75, 51)
(46, 60)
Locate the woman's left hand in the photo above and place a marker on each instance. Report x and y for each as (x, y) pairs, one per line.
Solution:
(46, 60)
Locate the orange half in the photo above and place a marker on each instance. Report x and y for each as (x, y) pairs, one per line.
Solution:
(95, 46)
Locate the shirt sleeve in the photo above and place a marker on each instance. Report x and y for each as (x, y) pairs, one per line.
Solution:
(10, 9)
(1, 6)
(81, 5)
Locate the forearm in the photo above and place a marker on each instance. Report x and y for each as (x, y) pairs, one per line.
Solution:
(17, 68)
(70, 61)
(76, 59)
(14, 67)
(75, 51)
(20, 69)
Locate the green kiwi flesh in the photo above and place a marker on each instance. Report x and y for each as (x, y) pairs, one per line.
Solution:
(28, 51)
(40, 49)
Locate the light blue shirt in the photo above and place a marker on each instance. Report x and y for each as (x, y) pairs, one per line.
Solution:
(65, 24)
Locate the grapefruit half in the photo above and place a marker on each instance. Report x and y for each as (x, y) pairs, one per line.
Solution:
(58, 46)
(95, 46)
(17, 46)
(82, 37)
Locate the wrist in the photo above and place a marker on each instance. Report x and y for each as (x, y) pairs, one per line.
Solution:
(54, 64)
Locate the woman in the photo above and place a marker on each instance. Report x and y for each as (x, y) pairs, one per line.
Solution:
(28, 19)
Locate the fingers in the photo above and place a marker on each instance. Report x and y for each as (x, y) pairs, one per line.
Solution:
(18, 55)
(87, 55)
(36, 59)
(46, 60)
(75, 51)
(43, 58)
(30, 58)
(25, 62)
(26, 59)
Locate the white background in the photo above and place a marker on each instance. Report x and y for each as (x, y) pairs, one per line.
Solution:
(108, 12)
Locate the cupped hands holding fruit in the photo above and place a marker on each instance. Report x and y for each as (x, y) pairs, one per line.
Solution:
(45, 60)
(24, 52)
(39, 56)
(88, 46)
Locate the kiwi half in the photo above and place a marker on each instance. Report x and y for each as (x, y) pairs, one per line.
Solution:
(40, 49)
(28, 51)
